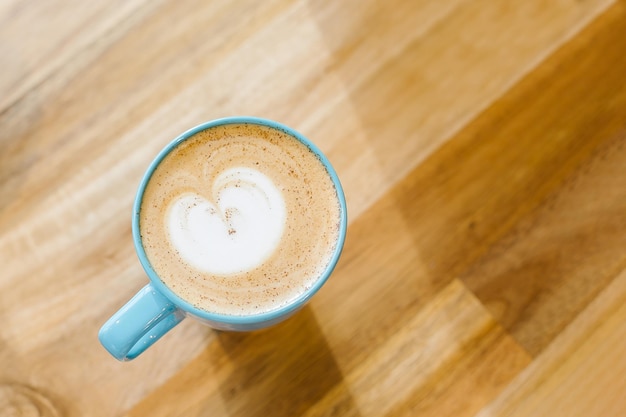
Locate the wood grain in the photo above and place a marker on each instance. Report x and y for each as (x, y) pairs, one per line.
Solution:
(560, 159)
(536, 278)
(583, 372)
(482, 149)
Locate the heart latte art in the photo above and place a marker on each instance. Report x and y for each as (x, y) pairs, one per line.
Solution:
(239, 219)
(235, 234)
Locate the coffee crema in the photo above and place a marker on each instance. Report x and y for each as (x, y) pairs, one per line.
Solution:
(240, 219)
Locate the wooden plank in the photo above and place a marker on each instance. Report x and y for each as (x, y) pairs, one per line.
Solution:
(582, 373)
(136, 102)
(438, 363)
(541, 273)
(38, 39)
(431, 365)
(435, 82)
(77, 137)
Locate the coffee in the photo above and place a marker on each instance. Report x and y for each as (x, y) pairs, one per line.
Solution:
(240, 219)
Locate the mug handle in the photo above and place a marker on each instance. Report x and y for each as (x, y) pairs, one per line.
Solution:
(139, 323)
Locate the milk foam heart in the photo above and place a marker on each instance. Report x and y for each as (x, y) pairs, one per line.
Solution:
(236, 231)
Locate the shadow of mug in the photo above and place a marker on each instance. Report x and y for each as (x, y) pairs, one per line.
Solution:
(285, 370)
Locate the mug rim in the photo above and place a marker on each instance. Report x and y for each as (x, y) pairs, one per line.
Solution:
(250, 319)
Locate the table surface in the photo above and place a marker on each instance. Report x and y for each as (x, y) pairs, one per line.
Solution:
(482, 148)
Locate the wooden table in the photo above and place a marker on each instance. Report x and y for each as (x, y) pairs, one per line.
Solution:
(482, 147)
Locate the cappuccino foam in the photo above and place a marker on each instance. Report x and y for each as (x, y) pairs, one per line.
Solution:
(240, 219)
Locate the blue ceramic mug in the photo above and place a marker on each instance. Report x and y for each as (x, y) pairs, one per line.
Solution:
(155, 309)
